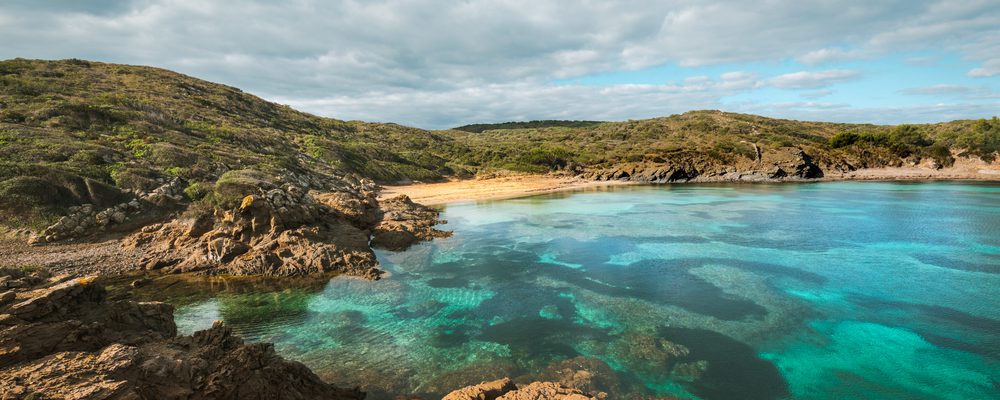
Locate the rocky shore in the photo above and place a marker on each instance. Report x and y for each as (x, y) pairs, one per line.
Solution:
(61, 338)
(790, 164)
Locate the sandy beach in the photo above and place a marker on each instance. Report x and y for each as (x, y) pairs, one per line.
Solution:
(503, 187)
(512, 186)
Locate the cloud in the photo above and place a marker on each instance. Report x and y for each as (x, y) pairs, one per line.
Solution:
(347, 53)
(937, 90)
(815, 94)
(812, 79)
(963, 91)
(990, 68)
(831, 54)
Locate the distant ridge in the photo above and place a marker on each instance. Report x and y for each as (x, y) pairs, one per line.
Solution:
(479, 128)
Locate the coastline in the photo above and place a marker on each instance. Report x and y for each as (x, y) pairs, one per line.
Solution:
(515, 186)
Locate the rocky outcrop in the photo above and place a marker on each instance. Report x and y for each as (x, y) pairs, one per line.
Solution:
(404, 223)
(86, 219)
(504, 389)
(277, 232)
(288, 231)
(785, 163)
(483, 391)
(61, 339)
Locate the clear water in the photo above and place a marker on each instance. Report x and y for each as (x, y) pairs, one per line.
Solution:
(813, 291)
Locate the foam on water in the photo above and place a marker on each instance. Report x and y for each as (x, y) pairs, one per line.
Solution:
(819, 291)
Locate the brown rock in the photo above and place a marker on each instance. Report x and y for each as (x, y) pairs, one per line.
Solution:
(66, 341)
(405, 223)
(483, 391)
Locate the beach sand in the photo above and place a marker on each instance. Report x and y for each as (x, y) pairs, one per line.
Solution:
(520, 185)
(494, 188)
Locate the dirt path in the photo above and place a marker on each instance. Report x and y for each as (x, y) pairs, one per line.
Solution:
(102, 256)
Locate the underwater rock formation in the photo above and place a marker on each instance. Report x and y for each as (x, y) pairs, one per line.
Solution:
(61, 338)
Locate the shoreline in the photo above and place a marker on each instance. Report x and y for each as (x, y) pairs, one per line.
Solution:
(517, 186)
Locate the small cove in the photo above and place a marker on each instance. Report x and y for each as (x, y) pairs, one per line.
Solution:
(754, 291)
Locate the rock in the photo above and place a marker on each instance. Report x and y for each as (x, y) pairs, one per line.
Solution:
(118, 217)
(504, 389)
(7, 297)
(483, 391)
(405, 223)
(65, 340)
(281, 233)
(546, 391)
(587, 374)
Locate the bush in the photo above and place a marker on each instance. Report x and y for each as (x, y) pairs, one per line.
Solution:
(553, 157)
(983, 140)
(197, 191)
(843, 139)
(941, 154)
(233, 186)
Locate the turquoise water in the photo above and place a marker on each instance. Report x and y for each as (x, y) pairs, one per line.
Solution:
(813, 291)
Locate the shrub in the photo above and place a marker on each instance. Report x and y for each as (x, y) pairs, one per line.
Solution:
(941, 154)
(197, 191)
(233, 186)
(552, 157)
(843, 139)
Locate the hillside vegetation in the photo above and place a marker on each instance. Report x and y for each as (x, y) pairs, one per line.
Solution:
(726, 138)
(74, 132)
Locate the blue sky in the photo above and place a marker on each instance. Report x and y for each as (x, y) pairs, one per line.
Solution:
(438, 64)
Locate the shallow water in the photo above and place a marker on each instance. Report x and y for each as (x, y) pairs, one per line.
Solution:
(819, 291)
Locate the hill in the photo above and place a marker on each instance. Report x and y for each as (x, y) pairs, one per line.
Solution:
(75, 132)
(725, 139)
(479, 128)
(78, 132)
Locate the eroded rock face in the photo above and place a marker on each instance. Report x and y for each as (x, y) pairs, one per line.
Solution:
(280, 232)
(62, 339)
(72, 315)
(288, 232)
(785, 163)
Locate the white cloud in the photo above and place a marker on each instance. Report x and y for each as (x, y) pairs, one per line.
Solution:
(815, 94)
(963, 91)
(990, 68)
(830, 54)
(812, 79)
(425, 61)
(937, 90)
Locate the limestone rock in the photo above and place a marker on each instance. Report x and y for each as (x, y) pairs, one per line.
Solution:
(483, 391)
(404, 223)
(504, 389)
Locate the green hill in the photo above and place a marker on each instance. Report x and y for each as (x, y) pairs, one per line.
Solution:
(74, 132)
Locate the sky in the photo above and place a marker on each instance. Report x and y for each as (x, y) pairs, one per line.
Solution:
(440, 64)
